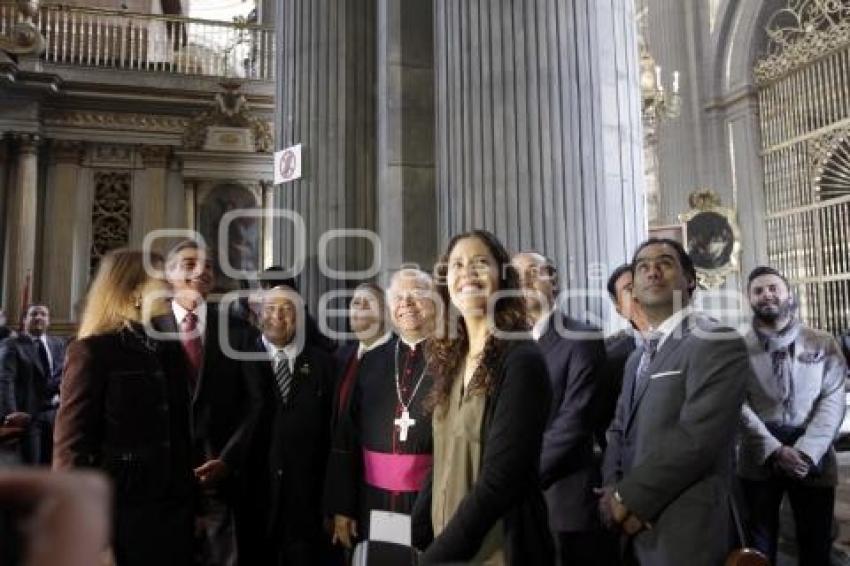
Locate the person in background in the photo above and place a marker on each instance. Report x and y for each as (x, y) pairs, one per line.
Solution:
(618, 348)
(484, 503)
(125, 410)
(575, 356)
(30, 372)
(367, 316)
(793, 410)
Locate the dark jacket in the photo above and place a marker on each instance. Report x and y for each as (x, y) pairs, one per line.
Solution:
(508, 486)
(25, 385)
(125, 410)
(227, 400)
(618, 348)
(575, 356)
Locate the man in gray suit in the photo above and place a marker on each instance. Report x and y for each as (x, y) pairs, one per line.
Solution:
(793, 410)
(668, 466)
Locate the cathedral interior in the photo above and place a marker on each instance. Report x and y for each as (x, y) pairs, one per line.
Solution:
(573, 128)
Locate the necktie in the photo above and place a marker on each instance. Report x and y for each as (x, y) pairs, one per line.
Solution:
(282, 376)
(192, 346)
(649, 350)
(42, 356)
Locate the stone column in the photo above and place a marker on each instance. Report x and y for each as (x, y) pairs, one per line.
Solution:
(407, 214)
(149, 193)
(61, 263)
(539, 133)
(326, 92)
(21, 224)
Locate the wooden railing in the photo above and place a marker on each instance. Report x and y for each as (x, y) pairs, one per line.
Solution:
(146, 42)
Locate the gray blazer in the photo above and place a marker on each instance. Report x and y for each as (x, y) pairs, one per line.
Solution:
(670, 456)
(818, 406)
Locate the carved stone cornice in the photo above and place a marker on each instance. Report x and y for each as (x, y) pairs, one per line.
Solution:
(155, 155)
(120, 121)
(67, 151)
(27, 142)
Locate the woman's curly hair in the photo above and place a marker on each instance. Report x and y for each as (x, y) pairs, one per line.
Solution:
(449, 345)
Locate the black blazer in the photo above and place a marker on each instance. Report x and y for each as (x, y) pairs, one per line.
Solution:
(618, 348)
(125, 410)
(343, 356)
(227, 400)
(508, 486)
(575, 355)
(25, 385)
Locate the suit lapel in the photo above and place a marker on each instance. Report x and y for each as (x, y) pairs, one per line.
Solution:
(671, 344)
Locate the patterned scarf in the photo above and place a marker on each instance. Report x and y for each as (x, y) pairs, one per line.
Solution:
(780, 347)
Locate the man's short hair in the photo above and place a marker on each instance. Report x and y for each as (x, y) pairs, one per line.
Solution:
(614, 277)
(684, 259)
(766, 270)
(272, 278)
(189, 244)
(36, 305)
(413, 273)
(373, 288)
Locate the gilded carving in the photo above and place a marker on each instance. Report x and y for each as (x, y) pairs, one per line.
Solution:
(829, 162)
(116, 121)
(713, 238)
(230, 108)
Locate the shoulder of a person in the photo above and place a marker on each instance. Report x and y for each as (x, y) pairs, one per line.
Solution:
(574, 324)
(520, 353)
(816, 335)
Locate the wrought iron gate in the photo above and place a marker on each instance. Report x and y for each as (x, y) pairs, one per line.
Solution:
(804, 106)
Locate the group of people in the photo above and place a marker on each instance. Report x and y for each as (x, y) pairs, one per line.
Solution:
(471, 421)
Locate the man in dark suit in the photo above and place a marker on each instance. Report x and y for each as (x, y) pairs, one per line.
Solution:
(574, 355)
(30, 370)
(225, 390)
(618, 348)
(668, 466)
(293, 440)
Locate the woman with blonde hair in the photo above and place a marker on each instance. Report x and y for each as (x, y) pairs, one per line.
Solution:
(125, 410)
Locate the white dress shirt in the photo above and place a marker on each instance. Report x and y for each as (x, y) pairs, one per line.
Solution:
(290, 351)
(200, 311)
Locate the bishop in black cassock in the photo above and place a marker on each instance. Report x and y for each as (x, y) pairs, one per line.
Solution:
(382, 448)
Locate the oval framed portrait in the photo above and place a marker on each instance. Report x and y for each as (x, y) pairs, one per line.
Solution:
(713, 238)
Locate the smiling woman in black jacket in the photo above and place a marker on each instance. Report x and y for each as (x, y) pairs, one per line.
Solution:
(491, 390)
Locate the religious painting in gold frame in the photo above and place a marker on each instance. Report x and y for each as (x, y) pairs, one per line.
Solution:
(713, 238)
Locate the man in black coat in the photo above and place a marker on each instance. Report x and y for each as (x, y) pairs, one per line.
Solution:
(574, 356)
(293, 440)
(618, 348)
(226, 394)
(30, 370)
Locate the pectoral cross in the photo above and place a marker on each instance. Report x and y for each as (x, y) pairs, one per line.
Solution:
(403, 424)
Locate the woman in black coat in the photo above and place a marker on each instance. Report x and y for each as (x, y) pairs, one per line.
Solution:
(491, 391)
(125, 409)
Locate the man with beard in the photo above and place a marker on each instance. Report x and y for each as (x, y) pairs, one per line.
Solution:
(793, 410)
(382, 449)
